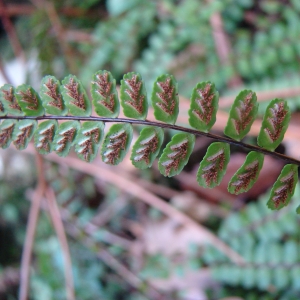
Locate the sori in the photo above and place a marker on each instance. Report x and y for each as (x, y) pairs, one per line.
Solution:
(27, 114)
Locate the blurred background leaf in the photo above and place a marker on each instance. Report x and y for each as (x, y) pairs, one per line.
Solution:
(120, 247)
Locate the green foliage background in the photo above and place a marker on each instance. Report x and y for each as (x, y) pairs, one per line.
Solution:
(155, 37)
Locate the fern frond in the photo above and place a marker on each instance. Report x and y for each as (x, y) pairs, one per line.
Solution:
(176, 154)
(75, 97)
(104, 93)
(116, 143)
(44, 136)
(275, 123)
(8, 102)
(23, 110)
(165, 99)
(213, 166)
(242, 115)
(243, 180)
(6, 133)
(284, 187)
(147, 147)
(29, 101)
(88, 140)
(133, 96)
(204, 106)
(23, 133)
(50, 92)
(65, 137)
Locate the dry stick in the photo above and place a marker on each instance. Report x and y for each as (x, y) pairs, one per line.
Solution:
(264, 96)
(149, 198)
(105, 213)
(59, 30)
(30, 231)
(159, 190)
(3, 72)
(70, 221)
(15, 9)
(108, 237)
(60, 231)
(12, 10)
(222, 44)
(11, 33)
(226, 101)
(190, 181)
(108, 259)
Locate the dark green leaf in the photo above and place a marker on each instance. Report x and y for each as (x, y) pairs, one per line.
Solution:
(29, 100)
(134, 96)
(88, 140)
(284, 187)
(65, 137)
(75, 97)
(243, 180)
(274, 125)
(204, 106)
(8, 101)
(7, 128)
(165, 99)
(147, 147)
(105, 96)
(23, 133)
(44, 136)
(50, 93)
(116, 143)
(242, 115)
(176, 154)
(214, 164)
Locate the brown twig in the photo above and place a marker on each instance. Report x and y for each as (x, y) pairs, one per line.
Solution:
(30, 231)
(15, 9)
(222, 44)
(106, 213)
(139, 192)
(4, 73)
(60, 232)
(90, 228)
(78, 232)
(264, 96)
(158, 189)
(53, 16)
(190, 181)
(111, 261)
(11, 33)
(109, 237)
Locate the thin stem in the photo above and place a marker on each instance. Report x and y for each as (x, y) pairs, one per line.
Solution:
(11, 33)
(110, 260)
(60, 232)
(149, 198)
(4, 73)
(216, 137)
(30, 231)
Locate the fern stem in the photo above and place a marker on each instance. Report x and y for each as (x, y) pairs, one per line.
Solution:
(216, 137)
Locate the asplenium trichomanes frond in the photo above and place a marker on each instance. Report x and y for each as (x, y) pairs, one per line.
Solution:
(26, 114)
